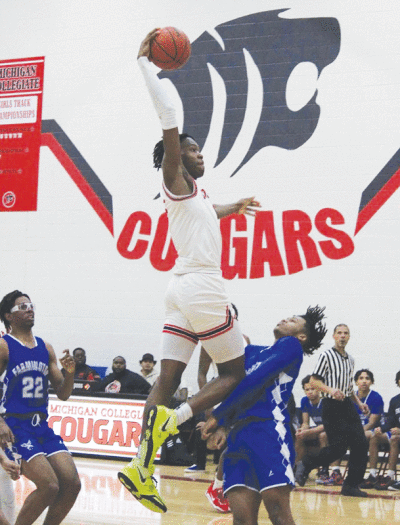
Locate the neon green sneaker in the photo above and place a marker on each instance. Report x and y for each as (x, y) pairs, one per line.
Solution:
(139, 482)
(161, 423)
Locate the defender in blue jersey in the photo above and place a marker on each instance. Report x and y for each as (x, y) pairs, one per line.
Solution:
(30, 364)
(260, 454)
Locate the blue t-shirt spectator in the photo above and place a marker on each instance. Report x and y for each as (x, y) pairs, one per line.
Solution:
(375, 404)
(314, 411)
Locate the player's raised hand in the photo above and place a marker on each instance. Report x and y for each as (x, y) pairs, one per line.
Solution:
(365, 409)
(12, 468)
(68, 362)
(248, 206)
(217, 440)
(337, 394)
(209, 427)
(144, 50)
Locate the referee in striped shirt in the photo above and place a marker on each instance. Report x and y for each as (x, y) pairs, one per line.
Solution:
(339, 416)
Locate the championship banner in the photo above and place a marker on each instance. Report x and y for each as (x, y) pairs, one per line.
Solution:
(98, 426)
(21, 94)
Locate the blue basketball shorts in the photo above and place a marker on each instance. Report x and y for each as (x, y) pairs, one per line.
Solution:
(33, 437)
(259, 456)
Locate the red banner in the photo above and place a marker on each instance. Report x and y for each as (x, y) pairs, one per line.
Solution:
(21, 94)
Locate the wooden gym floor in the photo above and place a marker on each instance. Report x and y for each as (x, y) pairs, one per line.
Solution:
(103, 500)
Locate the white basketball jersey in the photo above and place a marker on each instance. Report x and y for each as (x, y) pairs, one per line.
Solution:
(194, 228)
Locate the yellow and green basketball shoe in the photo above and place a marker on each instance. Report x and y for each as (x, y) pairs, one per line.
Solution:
(141, 484)
(161, 423)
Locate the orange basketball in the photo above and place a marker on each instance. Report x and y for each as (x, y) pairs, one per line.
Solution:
(170, 49)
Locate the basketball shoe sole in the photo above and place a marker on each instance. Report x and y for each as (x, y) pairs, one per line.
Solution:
(138, 481)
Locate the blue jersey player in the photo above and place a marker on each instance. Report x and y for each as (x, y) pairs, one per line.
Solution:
(260, 453)
(30, 364)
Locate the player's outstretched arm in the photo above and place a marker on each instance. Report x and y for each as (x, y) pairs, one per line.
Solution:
(62, 385)
(166, 111)
(248, 206)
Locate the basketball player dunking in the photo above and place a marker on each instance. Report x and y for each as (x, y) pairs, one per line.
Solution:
(197, 306)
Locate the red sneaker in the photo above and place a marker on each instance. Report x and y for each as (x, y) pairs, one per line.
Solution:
(217, 499)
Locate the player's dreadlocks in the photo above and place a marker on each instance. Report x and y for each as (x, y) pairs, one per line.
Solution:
(158, 152)
(315, 329)
(7, 303)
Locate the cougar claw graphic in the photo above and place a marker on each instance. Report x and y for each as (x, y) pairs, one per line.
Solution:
(241, 71)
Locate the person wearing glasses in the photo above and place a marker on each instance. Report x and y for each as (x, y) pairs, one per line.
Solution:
(30, 364)
(197, 307)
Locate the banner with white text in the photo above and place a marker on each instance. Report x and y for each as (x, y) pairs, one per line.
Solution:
(21, 94)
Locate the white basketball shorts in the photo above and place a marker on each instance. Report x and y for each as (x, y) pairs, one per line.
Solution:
(198, 309)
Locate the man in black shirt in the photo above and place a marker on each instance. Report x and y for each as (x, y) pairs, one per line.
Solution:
(82, 370)
(123, 381)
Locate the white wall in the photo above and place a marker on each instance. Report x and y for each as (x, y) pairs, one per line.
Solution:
(88, 295)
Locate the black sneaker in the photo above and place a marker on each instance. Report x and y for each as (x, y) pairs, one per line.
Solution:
(369, 483)
(355, 492)
(384, 483)
(302, 473)
(394, 486)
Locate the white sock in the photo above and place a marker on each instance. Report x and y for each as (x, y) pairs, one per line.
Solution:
(183, 413)
(218, 484)
(373, 472)
(391, 474)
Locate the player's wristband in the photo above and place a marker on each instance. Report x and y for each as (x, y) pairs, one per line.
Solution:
(161, 100)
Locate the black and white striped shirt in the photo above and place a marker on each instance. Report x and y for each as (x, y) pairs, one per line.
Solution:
(337, 370)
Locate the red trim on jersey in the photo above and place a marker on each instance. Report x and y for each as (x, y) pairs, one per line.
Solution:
(215, 334)
(220, 329)
(208, 334)
(180, 332)
(177, 198)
